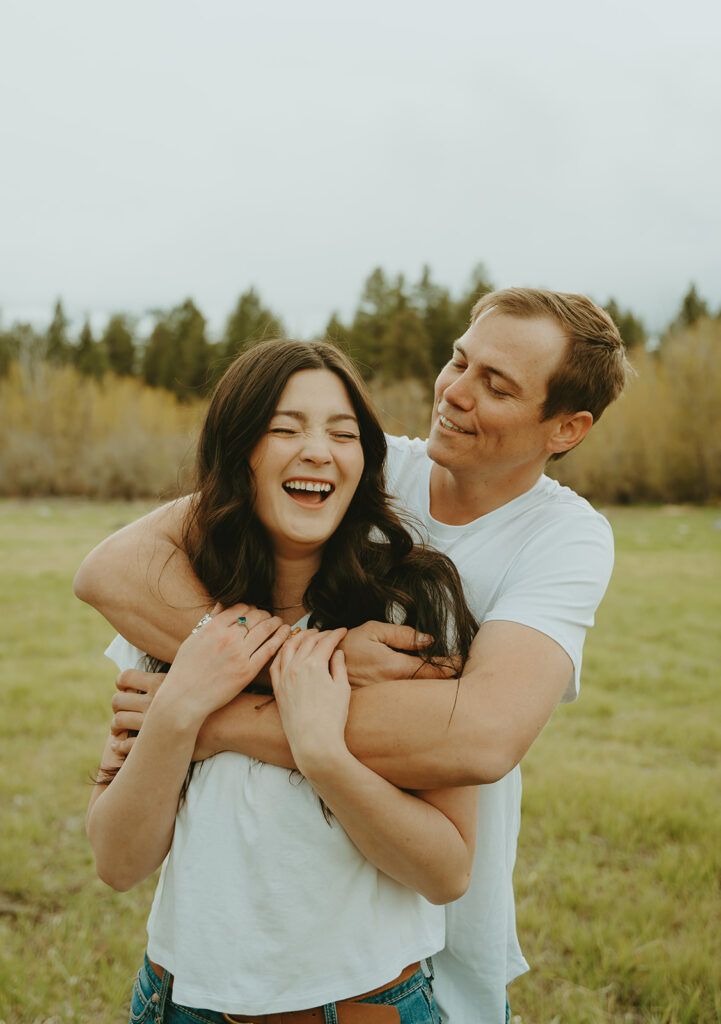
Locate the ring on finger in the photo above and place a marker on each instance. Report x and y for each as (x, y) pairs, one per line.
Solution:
(241, 621)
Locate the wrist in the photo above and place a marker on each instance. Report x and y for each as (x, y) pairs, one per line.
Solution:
(323, 762)
(179, 717)
(210, 735)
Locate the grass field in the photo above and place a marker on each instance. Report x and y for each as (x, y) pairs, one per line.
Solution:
(619, 872)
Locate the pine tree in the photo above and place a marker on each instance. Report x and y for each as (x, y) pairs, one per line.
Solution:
(57, 344)
(441, 319)
(90, 355)
(630, 327)
(249, 323)
(119, 345)
(159, 356)
(693, 307)
(178, 355)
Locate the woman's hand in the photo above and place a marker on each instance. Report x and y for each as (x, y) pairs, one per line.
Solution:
(215, 663)
(311, 686)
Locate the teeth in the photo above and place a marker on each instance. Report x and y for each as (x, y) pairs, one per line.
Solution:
(307, 485)
(451, 426)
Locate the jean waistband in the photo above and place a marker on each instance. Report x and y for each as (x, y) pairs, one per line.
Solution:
(408, 980)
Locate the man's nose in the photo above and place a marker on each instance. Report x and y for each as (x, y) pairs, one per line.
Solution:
(459, 392)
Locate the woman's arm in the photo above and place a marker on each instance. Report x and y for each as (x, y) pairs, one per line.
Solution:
(130, 822)
(424, 840)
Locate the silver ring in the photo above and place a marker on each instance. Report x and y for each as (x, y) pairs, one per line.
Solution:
(204, 621)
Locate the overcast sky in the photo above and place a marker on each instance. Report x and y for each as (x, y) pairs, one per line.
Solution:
(157, 150)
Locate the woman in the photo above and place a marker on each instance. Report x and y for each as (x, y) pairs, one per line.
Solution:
(264, 905)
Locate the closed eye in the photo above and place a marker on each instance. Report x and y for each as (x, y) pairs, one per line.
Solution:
(283, 431)
(341, 435)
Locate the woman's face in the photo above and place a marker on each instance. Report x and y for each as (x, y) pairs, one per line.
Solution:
(308, 464)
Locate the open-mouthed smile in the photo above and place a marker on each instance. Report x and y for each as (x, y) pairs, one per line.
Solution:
(313, 492)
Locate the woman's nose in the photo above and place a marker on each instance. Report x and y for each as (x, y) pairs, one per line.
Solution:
(315, 449)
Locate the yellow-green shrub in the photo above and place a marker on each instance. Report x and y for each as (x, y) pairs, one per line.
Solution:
(661, 441)
(63, 433)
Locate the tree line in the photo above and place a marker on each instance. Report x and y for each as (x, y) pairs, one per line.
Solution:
(400, 330)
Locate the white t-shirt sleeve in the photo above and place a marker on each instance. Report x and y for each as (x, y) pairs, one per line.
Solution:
(402, 451)
(122, 652)
(555, 583)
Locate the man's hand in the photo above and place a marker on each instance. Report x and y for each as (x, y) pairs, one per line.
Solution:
(377, 652)
(135, 693)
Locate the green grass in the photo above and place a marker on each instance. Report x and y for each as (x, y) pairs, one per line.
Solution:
(619, 871)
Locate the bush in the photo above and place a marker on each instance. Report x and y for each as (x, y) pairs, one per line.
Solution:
(662, 440)
(64, 433)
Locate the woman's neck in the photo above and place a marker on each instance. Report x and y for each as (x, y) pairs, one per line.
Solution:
(292, 576)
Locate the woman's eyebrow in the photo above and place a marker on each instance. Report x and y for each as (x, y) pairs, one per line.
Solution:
(296, 414)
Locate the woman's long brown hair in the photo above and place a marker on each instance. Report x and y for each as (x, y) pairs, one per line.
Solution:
(372, 568)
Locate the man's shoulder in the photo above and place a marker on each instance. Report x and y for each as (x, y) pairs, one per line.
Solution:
(557, 503)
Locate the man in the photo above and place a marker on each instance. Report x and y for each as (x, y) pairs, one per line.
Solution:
(526, 382)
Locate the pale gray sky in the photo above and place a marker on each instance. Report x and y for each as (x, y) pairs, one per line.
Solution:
(154, 150)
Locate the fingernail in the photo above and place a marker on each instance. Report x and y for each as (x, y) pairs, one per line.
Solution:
(425, 638)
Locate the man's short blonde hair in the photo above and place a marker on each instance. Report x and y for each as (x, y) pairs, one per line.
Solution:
(595, 369)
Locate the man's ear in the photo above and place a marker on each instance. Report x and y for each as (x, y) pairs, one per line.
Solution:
(571, 428)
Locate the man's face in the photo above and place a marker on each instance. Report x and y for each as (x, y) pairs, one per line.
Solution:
(489, 398)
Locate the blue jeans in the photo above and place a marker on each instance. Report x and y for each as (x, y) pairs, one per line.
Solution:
(151, 1004)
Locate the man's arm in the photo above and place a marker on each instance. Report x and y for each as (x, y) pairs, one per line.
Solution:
(418, 733)
(140, 580)
(430, 733)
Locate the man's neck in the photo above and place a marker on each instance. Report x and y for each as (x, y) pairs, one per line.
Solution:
(456, 501)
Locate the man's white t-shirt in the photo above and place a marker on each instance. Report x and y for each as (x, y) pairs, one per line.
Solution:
(542, 560)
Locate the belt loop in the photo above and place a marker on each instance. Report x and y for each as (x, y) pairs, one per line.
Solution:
(429, 968)
(162, 996)
(330, 1013)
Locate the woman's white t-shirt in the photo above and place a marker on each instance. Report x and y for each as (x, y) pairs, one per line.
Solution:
(262, 906)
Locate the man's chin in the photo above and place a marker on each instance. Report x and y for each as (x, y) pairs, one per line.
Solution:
(438, 448)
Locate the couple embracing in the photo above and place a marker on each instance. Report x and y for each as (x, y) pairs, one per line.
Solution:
(328, 769)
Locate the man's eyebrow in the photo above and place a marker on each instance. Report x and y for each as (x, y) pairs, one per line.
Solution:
(301, 416)
(512, 384)
(510, 381)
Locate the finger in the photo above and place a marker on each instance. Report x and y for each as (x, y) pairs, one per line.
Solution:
(293, 644)
(130, 700)
(328, 641)
(337, 668)
(227, 616)
(403, 638)
(251, 614)
(125, 720)
(262, 655)
(134, 680)
(122, 747)
(259, 633)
